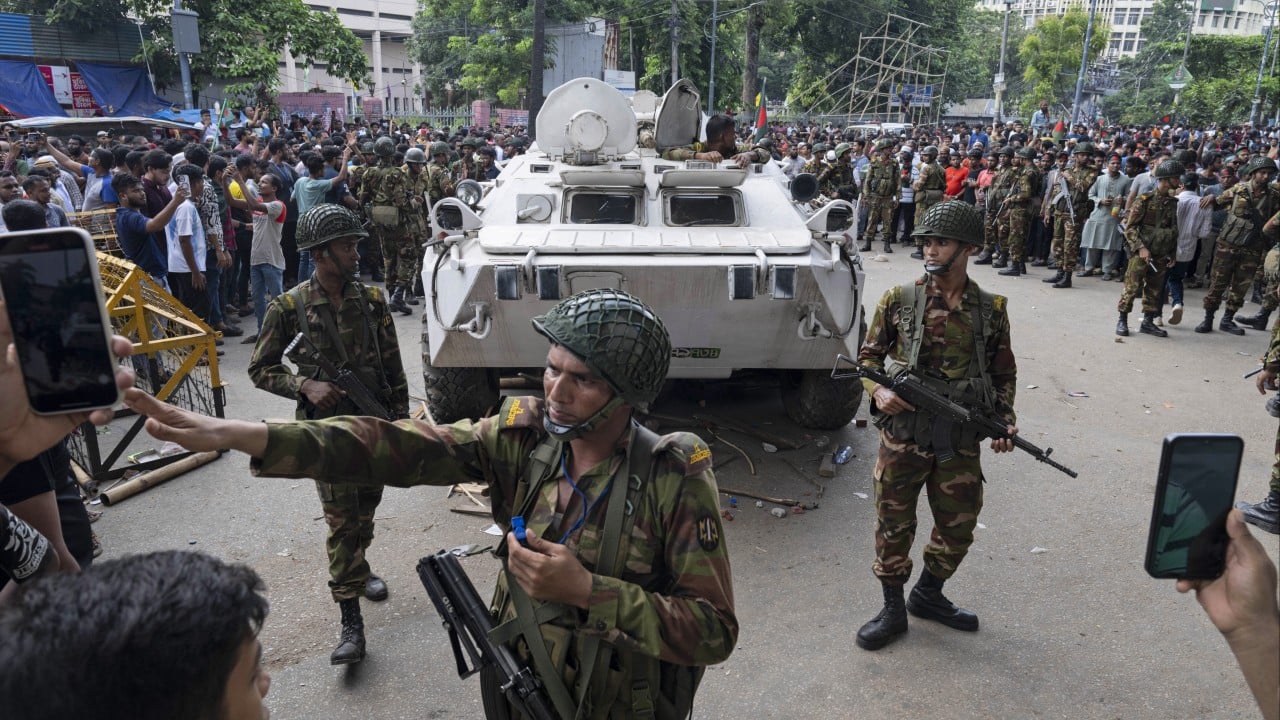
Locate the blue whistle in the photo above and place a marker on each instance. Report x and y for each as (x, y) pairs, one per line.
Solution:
(517, 527)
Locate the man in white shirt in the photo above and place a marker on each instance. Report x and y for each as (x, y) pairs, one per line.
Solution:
(187, 246)
(1193, 226)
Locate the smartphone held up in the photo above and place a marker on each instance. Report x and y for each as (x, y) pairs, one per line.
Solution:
(1195, 491)
(61, 331)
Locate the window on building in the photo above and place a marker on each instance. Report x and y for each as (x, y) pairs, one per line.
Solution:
(1134, 18)
(1237, 23)
(1202, 20)
(1115, 46)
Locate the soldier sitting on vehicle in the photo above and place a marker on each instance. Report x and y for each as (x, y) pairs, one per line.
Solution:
(721, 144)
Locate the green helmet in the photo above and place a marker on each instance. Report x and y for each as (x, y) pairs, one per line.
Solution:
(1027, 153)
(1256, 164)
(884, 144)
(930, 150)
(415, 156)
(327, 222)
(367, 147)
(1186, 157)
(1084, 148)
(952, 219)
(819, 148)
(439, 148)
(384, 147)
(1006, 150)
(470, 142)
(1168, 169)
(619, 337)
(843, 148)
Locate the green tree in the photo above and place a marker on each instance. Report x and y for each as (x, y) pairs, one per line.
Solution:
(1051, 52)
(241, 40)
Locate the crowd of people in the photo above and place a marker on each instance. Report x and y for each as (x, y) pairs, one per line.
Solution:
(283, 229)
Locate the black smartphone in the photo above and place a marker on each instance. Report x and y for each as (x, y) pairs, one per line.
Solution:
(1194, 493)
(33, 137)
(49, 279)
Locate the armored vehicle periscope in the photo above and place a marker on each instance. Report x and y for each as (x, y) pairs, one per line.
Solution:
(748, 272)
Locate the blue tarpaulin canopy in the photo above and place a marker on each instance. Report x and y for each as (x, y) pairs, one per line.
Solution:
(121, 90)
(24, 92)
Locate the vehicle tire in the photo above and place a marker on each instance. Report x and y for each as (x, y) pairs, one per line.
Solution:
(458, 393)
(814, 400)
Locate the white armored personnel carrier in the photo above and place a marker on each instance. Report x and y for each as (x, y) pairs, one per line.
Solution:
(748, 275)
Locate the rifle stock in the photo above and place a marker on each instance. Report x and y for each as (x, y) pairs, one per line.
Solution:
(944, 410)
(466, 617)
(356, 391)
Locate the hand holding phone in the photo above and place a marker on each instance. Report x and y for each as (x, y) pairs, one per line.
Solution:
(1194, 493)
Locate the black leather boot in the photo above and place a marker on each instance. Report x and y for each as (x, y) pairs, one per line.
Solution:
(1265, 515)
(1228, 323)
(865, 246)
(375, 588)
(984, 257)
(1149, 326)
(928, 602)
(397, 302)
(1122, 326)
(1206, 325)
(1000, 261)
(1257, 322)
(351, 645)
(1055, 278)
(1016, 268)
(888, 624)
(918, 253)
(888, 246)
(1064, 281)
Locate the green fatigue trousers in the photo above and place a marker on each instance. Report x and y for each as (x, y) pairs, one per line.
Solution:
(1233, 270)
(348, 509)
(1140, 278)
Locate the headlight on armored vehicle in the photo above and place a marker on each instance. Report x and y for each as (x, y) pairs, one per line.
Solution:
(784, 282)
(506, 280)
(469, 192)
(839, 219)
(742, 282)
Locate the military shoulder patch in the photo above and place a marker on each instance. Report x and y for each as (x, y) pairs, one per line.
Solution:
(519, 412)
(708, 532)
(1000, 302)
(376, 294)
(688, 452)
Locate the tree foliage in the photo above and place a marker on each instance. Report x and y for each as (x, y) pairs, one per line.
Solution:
(1051, 52)
(240, 40)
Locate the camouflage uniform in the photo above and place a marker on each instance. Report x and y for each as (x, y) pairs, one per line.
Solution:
(1238, 251)
(368, 343)
(671, 611)
(386, 186)
(370, 248)
(464, 169)
(880, 191)
(418, 225)
(1272, 363)
(1153, 224)
(835, 178)
(679, 154)
(906, 461)
(997, 210)
(928, 187)
(1069, 221)
(1022, 188)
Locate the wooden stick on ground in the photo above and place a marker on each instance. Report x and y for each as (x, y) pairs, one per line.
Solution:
(788, 502)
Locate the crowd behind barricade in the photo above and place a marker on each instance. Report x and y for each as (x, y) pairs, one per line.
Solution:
(1065, 201)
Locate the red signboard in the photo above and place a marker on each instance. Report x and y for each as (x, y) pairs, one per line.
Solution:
(69, 89)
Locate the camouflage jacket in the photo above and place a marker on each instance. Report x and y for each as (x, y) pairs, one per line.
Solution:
(385, 185)
(834, 177)
(948, 345)
(758, 154)
(1153, 224)
(1000, 186)
(368, 343)
(439, 182)
(674, 601)
(1022, 187)
(464, 170)
(417, 220)
(929, 185)
(1079, 180)
(880, 179)
(1244, 207)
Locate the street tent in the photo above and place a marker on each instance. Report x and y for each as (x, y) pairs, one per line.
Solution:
(24, 92)
(121, 90)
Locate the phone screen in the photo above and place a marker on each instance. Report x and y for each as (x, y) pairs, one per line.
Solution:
(1194, 493)
(60, 329)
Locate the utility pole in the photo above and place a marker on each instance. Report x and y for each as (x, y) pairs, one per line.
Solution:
(711, 90)
(538, 52)
(184, 64)
(751, 55)
(675, 47)
(1262, 66)
(1000, 85)
(1084, 65)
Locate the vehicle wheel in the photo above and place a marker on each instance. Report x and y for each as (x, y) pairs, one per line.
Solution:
(814, 400)
(458, 393)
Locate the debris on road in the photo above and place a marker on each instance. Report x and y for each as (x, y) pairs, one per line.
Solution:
(1037, 550)
(778, 512)
(843, 455)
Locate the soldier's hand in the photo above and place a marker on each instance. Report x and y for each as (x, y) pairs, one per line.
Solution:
(1144, 253)
(1264, 381)
(743, 160)
(548, 571)
(710, 156)
(196, 432)
(888, 401)
(1206, 201)
(324, 395)
(1004, 445)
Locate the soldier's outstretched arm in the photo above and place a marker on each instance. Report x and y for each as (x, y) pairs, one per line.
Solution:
(196, 432)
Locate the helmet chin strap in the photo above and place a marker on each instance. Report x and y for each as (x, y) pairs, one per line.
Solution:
(946, 266)
(566, 433)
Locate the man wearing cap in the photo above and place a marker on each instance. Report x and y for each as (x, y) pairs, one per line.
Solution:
(648, 596)
(351, 325)
(945, 329)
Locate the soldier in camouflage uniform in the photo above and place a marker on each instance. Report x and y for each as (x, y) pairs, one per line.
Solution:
(1270, 278)
(418, 223)
(657, 615)
(722, 144)
(881, 192)
(1023, 189)
(997, 210)
(385, 195)
(929, 188)
(370, 249)
(1070, 211)
(350, 324)
(1240, 245)
(1151, 237)
(1266, 514)
(836, 181)
(959, 347)
(464, 168)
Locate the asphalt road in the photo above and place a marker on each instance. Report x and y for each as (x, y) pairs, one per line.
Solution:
(1072, 627)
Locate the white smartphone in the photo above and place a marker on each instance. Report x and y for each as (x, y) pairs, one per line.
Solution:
(53, 294)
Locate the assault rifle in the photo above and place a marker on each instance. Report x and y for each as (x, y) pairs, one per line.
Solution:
(367, 402)
(945, 412)
(1064, 193)
(467, 619)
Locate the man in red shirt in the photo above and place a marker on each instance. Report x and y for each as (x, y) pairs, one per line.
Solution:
(955, 175)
